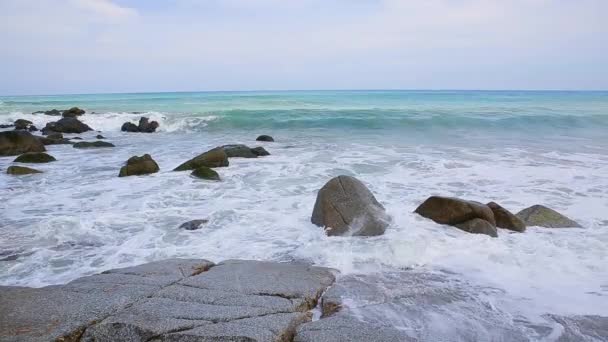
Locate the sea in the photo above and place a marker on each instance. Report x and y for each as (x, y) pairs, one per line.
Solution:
(517, 148)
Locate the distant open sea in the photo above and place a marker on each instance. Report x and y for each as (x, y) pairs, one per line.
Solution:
(517, 148)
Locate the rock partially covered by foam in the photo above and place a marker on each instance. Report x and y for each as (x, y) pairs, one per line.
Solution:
(505, 219)
(144, 126)
(66, 125)
(541, 216)
(21, 170)
(465, 215)
(136, 166)
(345, 206)
(73, 112)
(244, 151)
(17, 142)
(35, 157)
(213, 158)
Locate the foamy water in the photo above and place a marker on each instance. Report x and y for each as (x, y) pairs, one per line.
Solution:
(79, 218)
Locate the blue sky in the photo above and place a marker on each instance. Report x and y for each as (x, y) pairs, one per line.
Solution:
(89, 46)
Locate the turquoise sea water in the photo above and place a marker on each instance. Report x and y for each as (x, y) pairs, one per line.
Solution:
(518, 148)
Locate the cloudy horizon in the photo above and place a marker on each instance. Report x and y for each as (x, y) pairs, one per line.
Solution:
(112, 46)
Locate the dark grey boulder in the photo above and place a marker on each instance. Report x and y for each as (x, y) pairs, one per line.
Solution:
(93, 144)
(144, 126)
(541, 216)
(129, 127)
(265, 138)
(345, 206)
(239, 151)
(17, 142)
(193, 225)
(99, 136)
(22, 124)
(35, 157)
(204, 172)
(20, 170)
(51, 141)
(52, 112)
(66, 125)
(73, 112)
(55, 136)
(505, 219)
(213, 158)
(478, 226)
(137, 166)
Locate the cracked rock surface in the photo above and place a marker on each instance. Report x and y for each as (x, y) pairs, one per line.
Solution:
(170, 300)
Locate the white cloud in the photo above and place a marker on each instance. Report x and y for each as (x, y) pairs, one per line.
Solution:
(105, 8)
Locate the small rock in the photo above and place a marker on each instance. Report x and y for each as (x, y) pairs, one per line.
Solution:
(32, 128)
(49, 141)
(66, 125)
(478, 226)
(145, 126)
(21, 170)
(99, 136)
(204, 172)
(35, 157)
(73, 112)
(346, 207)
(541, 216)
(129, 127)
(22, 124)
(213, 158)
(193, 225)
(266, 138)
(244, 151)
(17, 142)
(88, 144)
(505, 219)
(260, 151)
(139, 166)
(52, 112)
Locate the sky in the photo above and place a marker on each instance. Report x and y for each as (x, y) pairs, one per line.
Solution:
(99, 46)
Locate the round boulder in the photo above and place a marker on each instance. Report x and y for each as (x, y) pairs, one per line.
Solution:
(17, 142)
(345, 206)
(541, 216)
(452, 211)
(21, 170)
(35, 157)
(136, 166)
(505, 219)
(204, 172)
(266, 138)
(213, 158)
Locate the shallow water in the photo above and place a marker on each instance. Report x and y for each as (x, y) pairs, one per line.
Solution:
(515, 148)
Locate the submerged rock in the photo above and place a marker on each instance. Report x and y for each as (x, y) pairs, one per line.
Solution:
(52, 112)
(55, 136)
(266, 138)
(73, 112)
(213, 158)
(204, 172)
(505, 219)
(136, 166)
(260, 151)
(51, 141)
(21, 170)
(129, 127)
(145, 126)
(6, 125)
(193, 225)
(459, 213)
(99, 136)
(244, 151)
(35, 157)
(345, 206)
(541, 216)
(93, 144)
(66, 125)
(17, 142)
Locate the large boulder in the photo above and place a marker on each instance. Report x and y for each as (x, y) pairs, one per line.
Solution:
(458, 213)
(22, 124)
(136, 166)
(346, 207)
(73, 112)
(144, 126)
(17, 142)
(244, 151)
(541, 216)
(213, 158)
(21, 170)
(35, 157)
(92, 144)
(66, 125)
(505, 219)
(266, 138)
(204, 172)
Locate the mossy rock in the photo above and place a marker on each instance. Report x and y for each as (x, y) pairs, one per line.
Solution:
(136, 166)
(204, 172)
(213, 158)
(541, 216)
(35, 157)
(21, 170)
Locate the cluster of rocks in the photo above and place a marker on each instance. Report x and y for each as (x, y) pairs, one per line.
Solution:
(345, 206)
(144, 126)
(68, 113)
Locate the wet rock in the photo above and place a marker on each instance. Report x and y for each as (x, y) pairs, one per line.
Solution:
(55, 136)
(20, 170)
(346, 207)
(93, 144)
(541, 216)
(348, 329)
(239, 151)
(260, 151)
(266, 138)
(73, 112)
(505, 219)
(144, 126)
(53, 141)
(452, 211)
(213, 158)
(52, 112)
(99, 136)
(66, 125)
(136, 166)
(35, 157)
(204, 172)
(171, 300)
(478, 226)
(32, 128)
(22, 124)
(193, 225)
(17, 142)
(7, 125)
